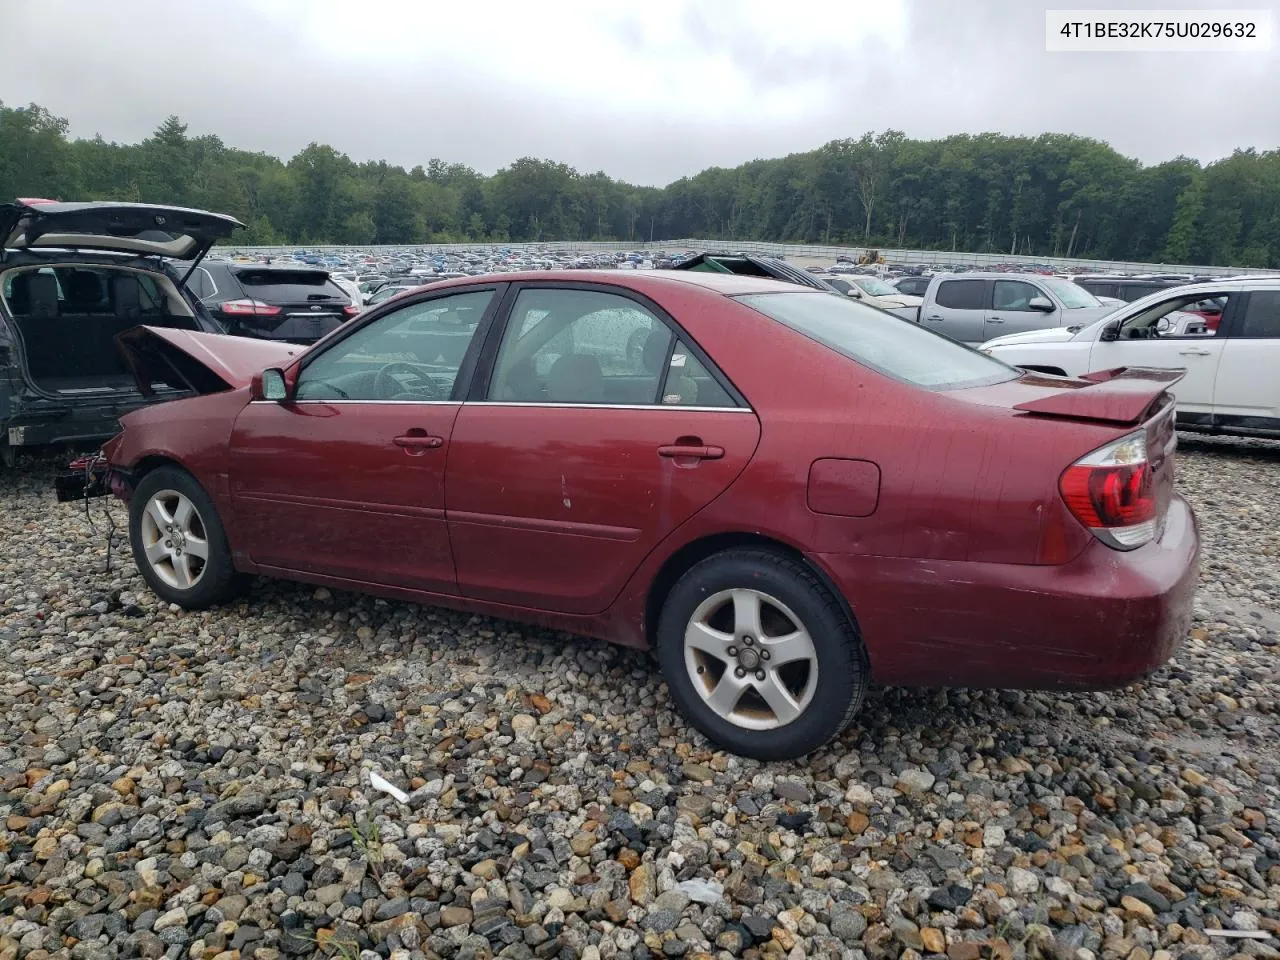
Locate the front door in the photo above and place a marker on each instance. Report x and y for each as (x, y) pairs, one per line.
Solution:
(1163, 336)
(599, 431)
(347, 478)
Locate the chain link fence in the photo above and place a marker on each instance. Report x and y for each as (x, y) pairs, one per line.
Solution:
(788, 250)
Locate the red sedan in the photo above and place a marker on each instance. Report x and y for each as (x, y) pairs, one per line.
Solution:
(786, 494)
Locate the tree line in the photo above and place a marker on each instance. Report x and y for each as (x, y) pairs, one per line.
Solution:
(1050, 195)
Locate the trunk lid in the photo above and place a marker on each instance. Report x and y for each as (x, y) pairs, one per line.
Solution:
(201, 362)
(145, 229)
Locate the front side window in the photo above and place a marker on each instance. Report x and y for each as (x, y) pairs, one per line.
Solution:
(413, 353)
(1014, 295)
(961, 294)
(885, 343)
(1183, 316)
(580, 346)
(1262, 316)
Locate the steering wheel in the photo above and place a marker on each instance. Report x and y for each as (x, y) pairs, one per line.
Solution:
(387, 387)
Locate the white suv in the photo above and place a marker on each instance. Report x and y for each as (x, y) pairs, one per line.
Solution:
(1225, 334)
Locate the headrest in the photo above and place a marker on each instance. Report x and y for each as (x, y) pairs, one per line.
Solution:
(126, 296)
(655, 350)
(43, 288)
(575, 378)
(83, 289)
(20, 293)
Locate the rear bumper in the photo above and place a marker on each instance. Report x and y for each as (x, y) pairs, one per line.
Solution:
(1103, 620)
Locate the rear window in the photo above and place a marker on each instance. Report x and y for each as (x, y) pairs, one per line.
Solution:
(288, 284)
(961, 294)
(885, 343)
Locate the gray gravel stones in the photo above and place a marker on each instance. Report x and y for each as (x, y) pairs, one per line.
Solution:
(197, 785)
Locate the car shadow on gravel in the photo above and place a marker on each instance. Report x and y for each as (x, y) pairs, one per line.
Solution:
(1237, 448)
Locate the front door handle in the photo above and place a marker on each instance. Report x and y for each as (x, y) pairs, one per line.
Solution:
(995, 319)
(680, 451)
(1193, 353)
(939, 319)
(417, 442)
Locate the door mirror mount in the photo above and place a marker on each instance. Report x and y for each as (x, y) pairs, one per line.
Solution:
(1043, 304)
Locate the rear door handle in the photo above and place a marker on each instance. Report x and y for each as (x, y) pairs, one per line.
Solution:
(693, 452)
(1193, 353)
(939, 319)
(995, 319)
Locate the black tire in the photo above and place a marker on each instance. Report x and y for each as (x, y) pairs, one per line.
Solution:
(842, 669)
(217, 579)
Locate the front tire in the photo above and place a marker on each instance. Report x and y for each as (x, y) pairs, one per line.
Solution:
(178, 541)
(759, 656)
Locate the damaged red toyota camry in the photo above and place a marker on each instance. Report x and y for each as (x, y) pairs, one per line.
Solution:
(783, 493)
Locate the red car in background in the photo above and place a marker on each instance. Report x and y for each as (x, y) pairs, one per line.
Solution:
(785, 494)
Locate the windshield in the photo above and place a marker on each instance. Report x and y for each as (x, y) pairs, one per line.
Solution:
(1072, 295)
(885, 343)
(876, 287)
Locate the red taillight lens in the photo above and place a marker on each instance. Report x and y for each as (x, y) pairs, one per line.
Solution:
(1111, 491)
(249, 308)
(350, 310)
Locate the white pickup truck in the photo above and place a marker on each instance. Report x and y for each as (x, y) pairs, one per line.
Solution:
(1226, 335)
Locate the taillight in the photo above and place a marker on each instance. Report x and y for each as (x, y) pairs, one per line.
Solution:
(1111, 491)
(350, 310)
(249, 308)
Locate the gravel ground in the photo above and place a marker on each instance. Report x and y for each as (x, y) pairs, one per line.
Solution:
(198, 785)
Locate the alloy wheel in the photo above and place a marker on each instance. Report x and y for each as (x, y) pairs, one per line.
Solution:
(751, 659)
(174, 539)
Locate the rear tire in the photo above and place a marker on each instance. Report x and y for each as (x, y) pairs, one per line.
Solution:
(759, 656)
(178, 541)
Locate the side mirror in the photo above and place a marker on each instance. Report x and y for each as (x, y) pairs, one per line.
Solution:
(1043, 304)
(1164, 325)
(855, 291)
(1110, 334)
(270, 385)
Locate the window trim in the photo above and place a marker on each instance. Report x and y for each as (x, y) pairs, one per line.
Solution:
(466, 370)
(488, 355)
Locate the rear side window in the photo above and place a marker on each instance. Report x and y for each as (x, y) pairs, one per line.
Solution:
(885, 343)
(1262, 315)
(961, 294)
(288, 285)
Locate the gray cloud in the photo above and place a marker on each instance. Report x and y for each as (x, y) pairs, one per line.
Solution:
(647, 97)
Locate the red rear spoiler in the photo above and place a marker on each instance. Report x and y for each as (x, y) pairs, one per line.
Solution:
(1120, 395)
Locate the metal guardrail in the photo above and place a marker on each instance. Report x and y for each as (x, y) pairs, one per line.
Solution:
(788, 250)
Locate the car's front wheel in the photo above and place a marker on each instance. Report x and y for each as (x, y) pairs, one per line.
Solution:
(759, 655)
(178, 540)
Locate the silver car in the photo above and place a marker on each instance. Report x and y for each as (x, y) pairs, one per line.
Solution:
(975, 307)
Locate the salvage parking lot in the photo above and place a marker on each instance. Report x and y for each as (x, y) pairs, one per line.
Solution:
(170, 777)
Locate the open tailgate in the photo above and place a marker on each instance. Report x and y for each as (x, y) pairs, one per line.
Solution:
(1122, 395)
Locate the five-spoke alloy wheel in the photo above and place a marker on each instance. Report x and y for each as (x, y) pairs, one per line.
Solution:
(759, 655)
(178, 541)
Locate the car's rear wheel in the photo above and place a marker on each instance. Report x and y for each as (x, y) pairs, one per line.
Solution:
(759, 655)
(178, 540)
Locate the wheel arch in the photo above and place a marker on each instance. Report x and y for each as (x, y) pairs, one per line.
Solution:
(694, 552)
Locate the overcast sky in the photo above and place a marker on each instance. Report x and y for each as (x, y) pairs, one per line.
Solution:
(648, 92)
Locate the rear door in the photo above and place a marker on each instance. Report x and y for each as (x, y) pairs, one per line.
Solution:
(1011, 310)
(583, 446)
(958, 308)
(347, 480)
(1246, 391)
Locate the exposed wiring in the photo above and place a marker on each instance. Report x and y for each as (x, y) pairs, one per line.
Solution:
(89, 464)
